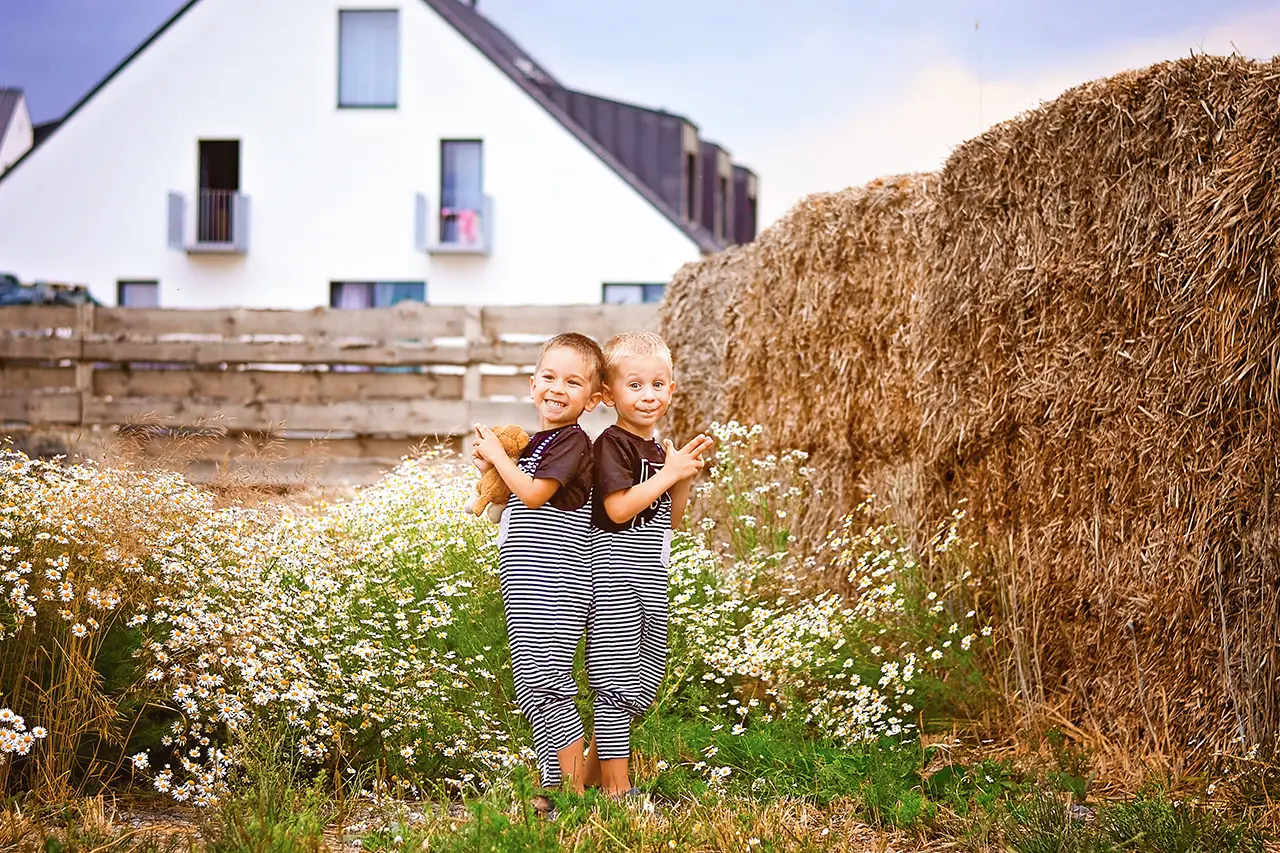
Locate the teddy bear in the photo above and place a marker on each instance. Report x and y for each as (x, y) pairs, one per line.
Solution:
(491, 492)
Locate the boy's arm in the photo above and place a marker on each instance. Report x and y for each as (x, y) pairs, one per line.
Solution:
(679, 500)
(532, 492)
(625, 504)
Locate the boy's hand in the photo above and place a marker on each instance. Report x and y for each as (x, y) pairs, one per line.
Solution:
(700, 445)
(479, 461)
(488, 447)
(686, 462)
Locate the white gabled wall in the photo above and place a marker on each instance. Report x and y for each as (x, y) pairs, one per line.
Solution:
(16, 139)
(332, 190)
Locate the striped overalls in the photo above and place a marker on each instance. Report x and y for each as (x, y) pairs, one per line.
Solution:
(546, 591)
(627, 632)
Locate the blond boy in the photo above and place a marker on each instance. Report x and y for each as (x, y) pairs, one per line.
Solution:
(640, 490)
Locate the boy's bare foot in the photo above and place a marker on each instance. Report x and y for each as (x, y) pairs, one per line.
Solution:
(591, 768)
(572, 766)
(615, 780)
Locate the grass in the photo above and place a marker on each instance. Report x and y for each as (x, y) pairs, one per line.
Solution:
(308, 673)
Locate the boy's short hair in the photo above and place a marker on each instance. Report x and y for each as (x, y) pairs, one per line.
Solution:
(634, 345)
(583, 346)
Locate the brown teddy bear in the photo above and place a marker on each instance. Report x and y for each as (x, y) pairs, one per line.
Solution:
(491, 492)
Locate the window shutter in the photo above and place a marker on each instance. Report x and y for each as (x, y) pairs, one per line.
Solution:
(176, 205)
(420, 222)
(240, 221)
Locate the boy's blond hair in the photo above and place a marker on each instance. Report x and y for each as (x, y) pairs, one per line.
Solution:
(583, 346)
(634, 345)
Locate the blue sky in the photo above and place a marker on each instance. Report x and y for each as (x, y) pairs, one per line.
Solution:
(813, 94)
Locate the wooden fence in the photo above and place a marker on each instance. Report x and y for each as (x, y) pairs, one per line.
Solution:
(387, 377)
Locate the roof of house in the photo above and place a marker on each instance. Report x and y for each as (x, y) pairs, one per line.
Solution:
(9, 100)
(503, 52)
(529, 76)
(502, 43)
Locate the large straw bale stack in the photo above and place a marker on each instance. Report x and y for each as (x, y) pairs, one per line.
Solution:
(695, 315)
(818, 344)
(1073, 328)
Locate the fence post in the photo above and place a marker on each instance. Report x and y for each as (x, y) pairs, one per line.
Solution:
(472, 382)
(84, 369)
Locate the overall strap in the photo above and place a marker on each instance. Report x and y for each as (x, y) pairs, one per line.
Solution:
(542, 445)
(529, 463)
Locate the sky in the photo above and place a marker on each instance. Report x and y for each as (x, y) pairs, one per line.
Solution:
(814, 95)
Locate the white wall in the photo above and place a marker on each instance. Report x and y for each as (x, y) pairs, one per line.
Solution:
(17, 138)
(332, 190)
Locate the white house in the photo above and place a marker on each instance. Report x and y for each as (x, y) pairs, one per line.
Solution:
(295, 153)
(16, 130)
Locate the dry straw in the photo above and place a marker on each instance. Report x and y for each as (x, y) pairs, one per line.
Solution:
(1072, 327)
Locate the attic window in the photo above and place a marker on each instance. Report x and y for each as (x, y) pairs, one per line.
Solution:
(368, 58)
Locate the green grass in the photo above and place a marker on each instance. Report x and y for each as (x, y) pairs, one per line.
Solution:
(1149, 823)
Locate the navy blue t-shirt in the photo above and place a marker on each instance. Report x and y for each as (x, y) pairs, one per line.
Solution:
(623, 459)
(567, 460)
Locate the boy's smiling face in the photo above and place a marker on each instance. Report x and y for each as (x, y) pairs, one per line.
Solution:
(562, 388)
(640, 390)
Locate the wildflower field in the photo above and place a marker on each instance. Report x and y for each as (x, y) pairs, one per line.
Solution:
(333, 675)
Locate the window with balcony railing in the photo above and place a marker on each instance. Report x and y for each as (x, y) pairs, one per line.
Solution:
(462, 202)
(215, 212)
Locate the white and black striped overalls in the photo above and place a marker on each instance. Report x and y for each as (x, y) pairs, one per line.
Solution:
(627, 634)
(546, 591)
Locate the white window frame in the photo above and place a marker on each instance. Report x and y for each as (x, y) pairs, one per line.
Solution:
(122, 285)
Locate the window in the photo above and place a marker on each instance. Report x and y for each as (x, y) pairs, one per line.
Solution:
(722, 222)
(632, 294)
(375, 294)
(691, 187)
(461, 192)
(219, 184)
(138, 294)
(368, 58)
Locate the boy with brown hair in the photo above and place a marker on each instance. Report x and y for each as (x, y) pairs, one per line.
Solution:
(543, 540)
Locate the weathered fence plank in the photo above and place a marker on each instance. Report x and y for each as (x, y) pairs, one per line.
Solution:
(38, 317)
(25, 378)
(255, 386)
(39, 347)
(42, 408)
(406, 321)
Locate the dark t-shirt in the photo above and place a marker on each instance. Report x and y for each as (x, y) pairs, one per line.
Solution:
(622, 460)
(566, 459)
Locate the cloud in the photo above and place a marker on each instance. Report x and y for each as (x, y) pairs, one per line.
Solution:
(944, 104)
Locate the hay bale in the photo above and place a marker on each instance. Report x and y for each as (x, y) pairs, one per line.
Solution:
(1072, 328)
(818, 348)
(694, 315)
